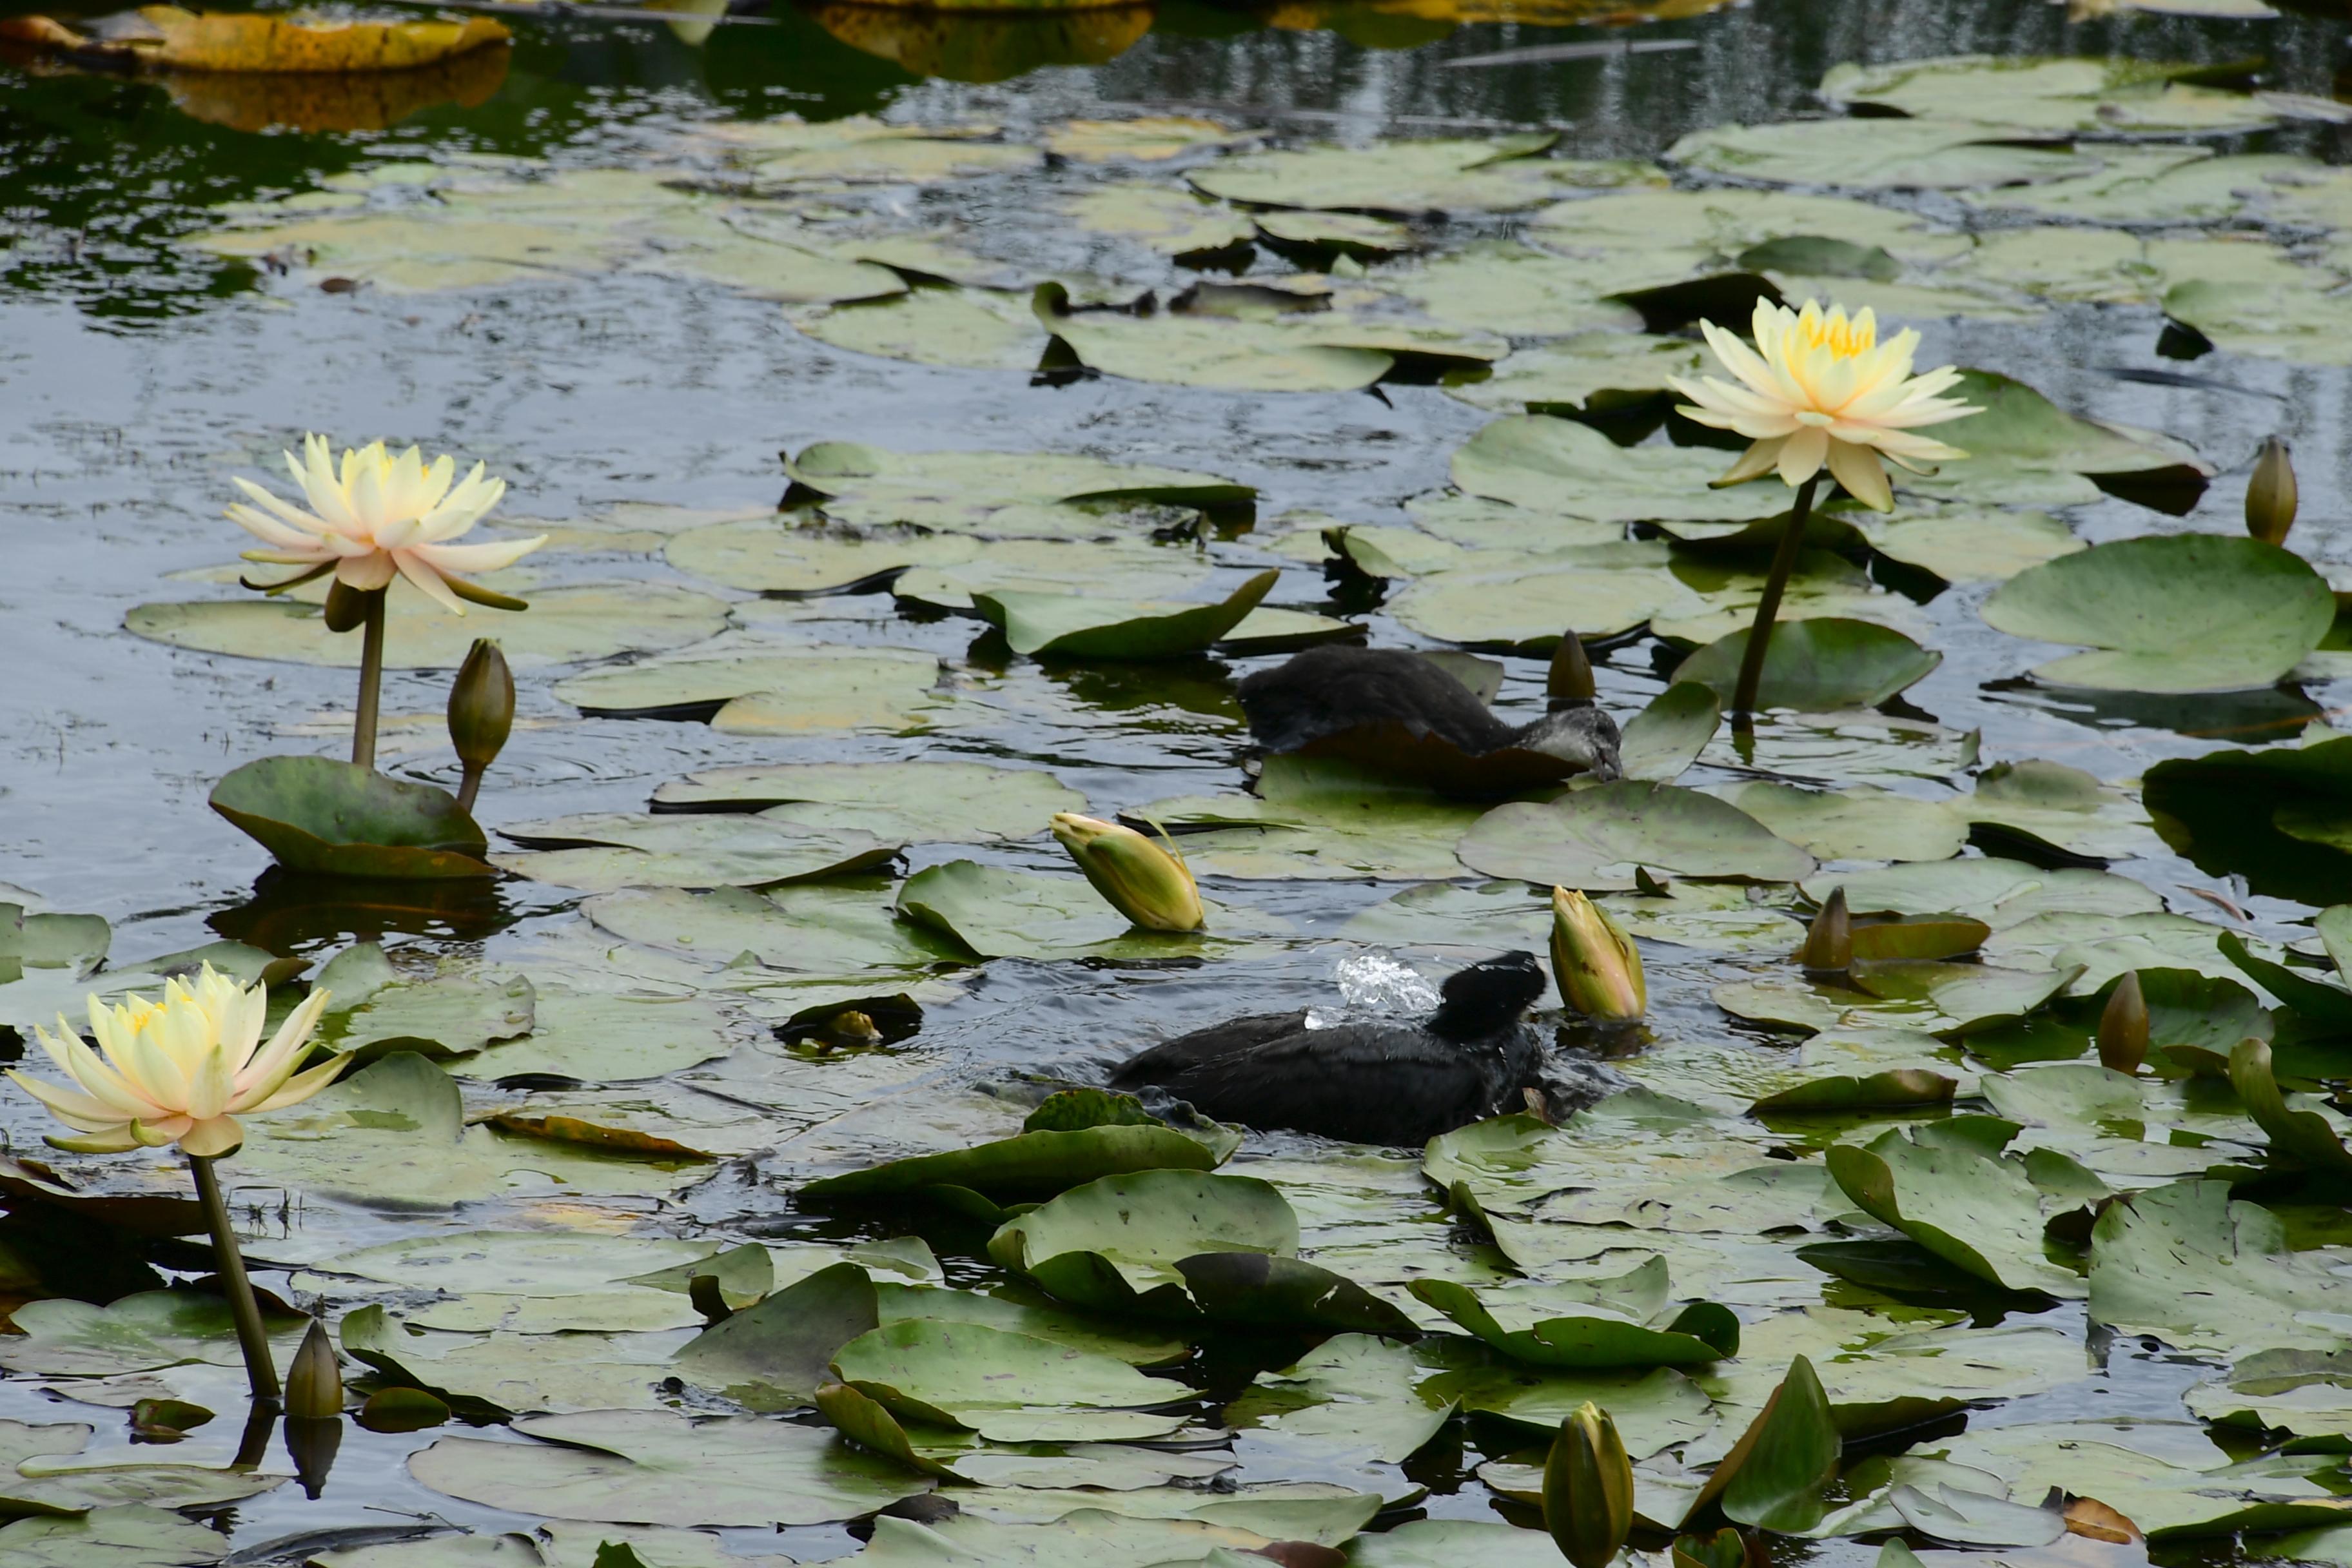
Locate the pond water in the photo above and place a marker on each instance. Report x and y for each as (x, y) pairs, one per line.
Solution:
(175, 311)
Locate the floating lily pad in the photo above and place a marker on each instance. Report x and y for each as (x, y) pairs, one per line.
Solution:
(1007, 1387)
(818, 929)
(1859, 822)
(2057, 96)
(332, 818)
(1597, 837)
(654, 1467)
(1966, 1204)
(1876, 154)
(1666, 737)
(1820, 665)
(971, 329)
(1548, 464)
(128, 1535)
(1412, 178)
(601, 851)
(564, 626)
(1588, 1325)
(1165, 217)
(1114, 1245)
(1525, 603)
(813, 689)
(2023, 449)
(1597, 373)
(921, 801)
(2268, 816)
(1072, 626)
(2172, 613)
(1033, 1165)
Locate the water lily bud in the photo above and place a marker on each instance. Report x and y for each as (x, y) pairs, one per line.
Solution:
(1146, 881)
(1587, 1488)
(314, 1383)
(2122, 1026)
(347, 607)
(1570, 677)
(1597, 965)
(1829, 940)
(2271, 495)
(482, 706)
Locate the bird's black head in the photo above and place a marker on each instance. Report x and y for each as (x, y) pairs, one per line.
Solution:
(1488, 999)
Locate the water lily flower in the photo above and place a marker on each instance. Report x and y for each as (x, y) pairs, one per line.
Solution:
(180, 1070)
(376, 516)
(1145, 881)
(1597, 965)
(1818, 388)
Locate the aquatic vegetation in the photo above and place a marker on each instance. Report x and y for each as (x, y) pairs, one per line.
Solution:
(727, 1121)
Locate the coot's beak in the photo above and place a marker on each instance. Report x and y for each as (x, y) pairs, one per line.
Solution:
(1147, 882)
(1597, 965)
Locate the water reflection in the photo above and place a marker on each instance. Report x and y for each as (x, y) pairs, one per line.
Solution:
(985, 46)
(355, 100)
(289, 913)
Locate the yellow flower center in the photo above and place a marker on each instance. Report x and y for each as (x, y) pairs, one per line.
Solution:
(1844, 339)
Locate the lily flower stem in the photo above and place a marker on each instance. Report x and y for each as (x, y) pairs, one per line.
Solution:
(251, 1338)
(371, 681)
(470, 784)
(1768, 607)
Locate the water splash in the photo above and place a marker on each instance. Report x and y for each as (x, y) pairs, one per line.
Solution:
(1374, 985)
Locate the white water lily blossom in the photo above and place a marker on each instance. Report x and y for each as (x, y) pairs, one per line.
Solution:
(375, 516)
(1820, 389)
(181, 1070)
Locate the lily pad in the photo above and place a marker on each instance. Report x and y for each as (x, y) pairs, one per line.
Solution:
(808, 690)
(1008, 1387)
(920, 802)
(1412, 178)
(1876, 154)
(2054, 96)
(1971, 1207)
(1114, 1245)
(601, 851)
(2271, 816)
(818, 928)
(332, 818)
(1032, 1165)
(565, 626)
(2170, 614)
(1559, 465)
(2024, 449)
(1819, 665)
(1598, 838)
(654, 1467)
(1071, 625)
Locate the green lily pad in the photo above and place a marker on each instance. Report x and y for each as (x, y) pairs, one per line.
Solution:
(1522, 603)
(1859, 822)
(601, 851)
(1666, 737)
(1114, 1245)
(774, 1355)
(989, 911)
(2001, 893)
(939, 489)
(63, 1338)
(1317, 818)
(812, 689)
(655, 1468)
(1170, 220)
(2045, 802)
(1819, 665)
(332, 818)
(2173, 613)
(453, 1014)
(1412, 178)
(1008, 1387)
(1584, 1326)
(564, 626)
(919, 802)
(2025, 450)
(971, 329)
(1774, 1476)
(1032, 1165)
(2265, 816)
(1597, 837)
(1974, 1209)
(1354, 1396)
(2056, 96)
(128, 1535)
(1595, 374)
(1072, 626)
(1876, 154)
(1549, 463)
(816, 927)
(1287, 350)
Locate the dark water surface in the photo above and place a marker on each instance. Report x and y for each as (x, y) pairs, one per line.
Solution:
(136, 375)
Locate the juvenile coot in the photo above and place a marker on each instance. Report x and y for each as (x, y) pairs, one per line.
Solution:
(1393, 710)
(1371, 1081)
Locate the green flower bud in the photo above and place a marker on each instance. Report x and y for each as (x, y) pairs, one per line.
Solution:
(2271, 494)
(314, 1383)
(1570, 676)
(1587, 1488)
(1597, 965)
(482, 706)
(1146, 881)
(1829, 940)
(347, 607)
(2122, 1026)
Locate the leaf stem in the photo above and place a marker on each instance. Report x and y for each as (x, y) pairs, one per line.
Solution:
(371, 681)
(251, 1338)
(468, 786)
(1768, 608)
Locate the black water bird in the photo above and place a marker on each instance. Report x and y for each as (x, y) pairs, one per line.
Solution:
(1382, 1080)
(1400, 713)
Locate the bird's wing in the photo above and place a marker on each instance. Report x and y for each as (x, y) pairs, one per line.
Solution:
(1163, 1062)
(1374, 1084)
